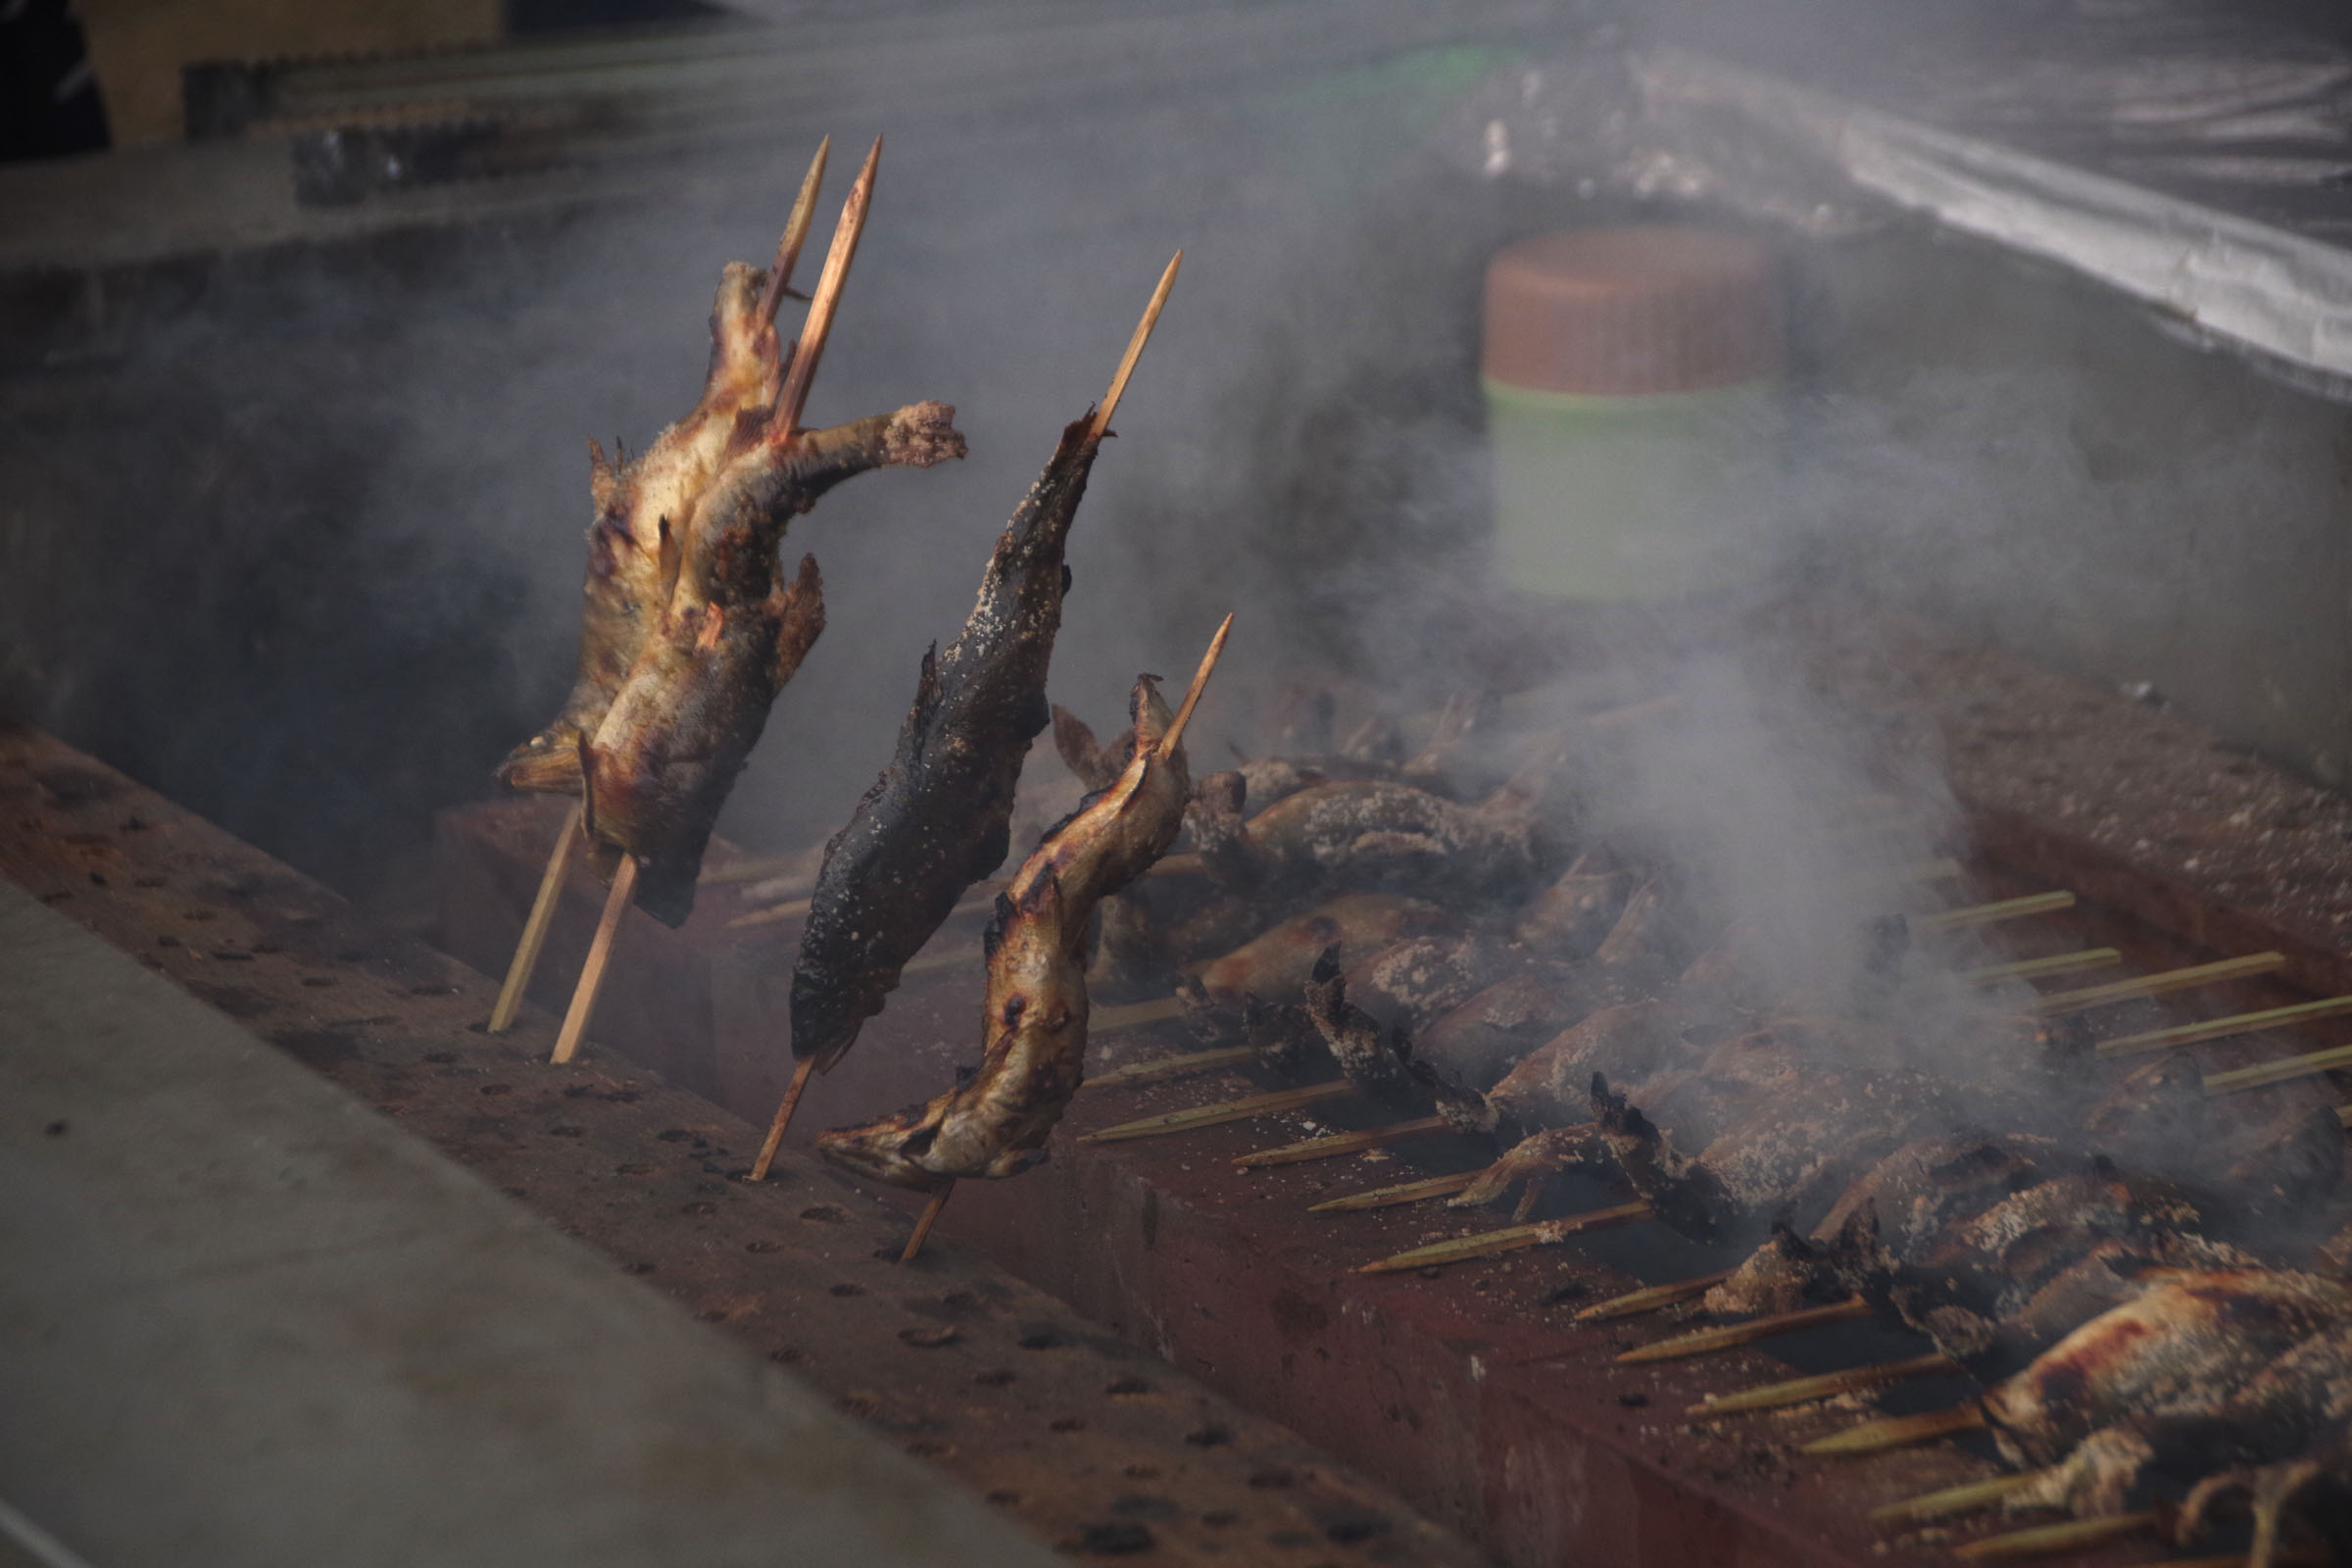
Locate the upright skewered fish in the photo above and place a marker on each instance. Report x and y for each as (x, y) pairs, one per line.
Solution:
(993, 1123)
(939, 817)
(660, 764)
(642, 502)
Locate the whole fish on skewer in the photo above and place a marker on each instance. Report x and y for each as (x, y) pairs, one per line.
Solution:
(643, 502)
(2280, 1439)
(733, 632)
(994, 1123)
(938, 819)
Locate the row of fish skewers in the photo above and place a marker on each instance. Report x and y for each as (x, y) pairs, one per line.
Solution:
(1465, 955)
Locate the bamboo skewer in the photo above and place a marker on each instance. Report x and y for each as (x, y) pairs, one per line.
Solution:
(1942, 869)
(793, 397)
(1163, 1008)
(1177, 1122)
(1899, 1431)
(1965, 1498)
(536, 923)
(1135, 1015)
(1175, 738)
(558, 860)
(757, 871)
(1826, 1386)
(1392, 1197)
(1135, 352)
(924, 1222)
(1634, 712)
(2157, 985)
(790, 400)
(783, 1117)
(2277, 1073)
(1510, 1239)
(1706, 1342)
(772, 914)
(1650, 1300)
(2241, 1023)
(2067, 1535)
(599, 953)
(1987, 913)
(2034, 968)
(796, 233)
(1336, 1144)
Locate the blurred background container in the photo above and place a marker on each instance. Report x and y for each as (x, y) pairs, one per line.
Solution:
(1631, 378)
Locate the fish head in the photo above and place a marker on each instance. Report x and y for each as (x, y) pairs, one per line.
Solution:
(548, 764)
(1148, 715)
(890, 1150)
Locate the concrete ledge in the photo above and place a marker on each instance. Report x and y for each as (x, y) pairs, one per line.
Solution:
(246, 1321)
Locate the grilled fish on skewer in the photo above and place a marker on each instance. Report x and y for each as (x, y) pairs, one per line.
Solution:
(1377, 1060)
(1411, 969)
(642, 500)
(993, 1123)
(2274, 1150)
(1447, 1069)
(2186, 1332)
(1913, 1197)
(1278, 962)
(1993, 1289)
(2276, 1435)
(1035, 1017)
(1423, 978)
(938, 819)
(1374, 834)
(1773, 1130)
(1489, 1036)
(668, 748)
(1576, 913)
(1359, 831)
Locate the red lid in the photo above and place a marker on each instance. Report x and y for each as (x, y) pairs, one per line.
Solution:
(1650, 308)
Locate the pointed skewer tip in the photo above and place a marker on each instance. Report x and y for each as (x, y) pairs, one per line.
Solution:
(783, 1118)
(1192, 693)
(600, 955)
(923, 1224)
(793, 397)
(2067, 1535)
(1135, 350)
(796, 233)
(535, 925)
(1396, 1197)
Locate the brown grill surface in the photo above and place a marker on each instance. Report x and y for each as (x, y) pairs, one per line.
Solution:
(1092, 1443)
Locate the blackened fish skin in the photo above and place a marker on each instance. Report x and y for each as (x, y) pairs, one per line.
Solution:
(939, 819)
(995, 1121)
